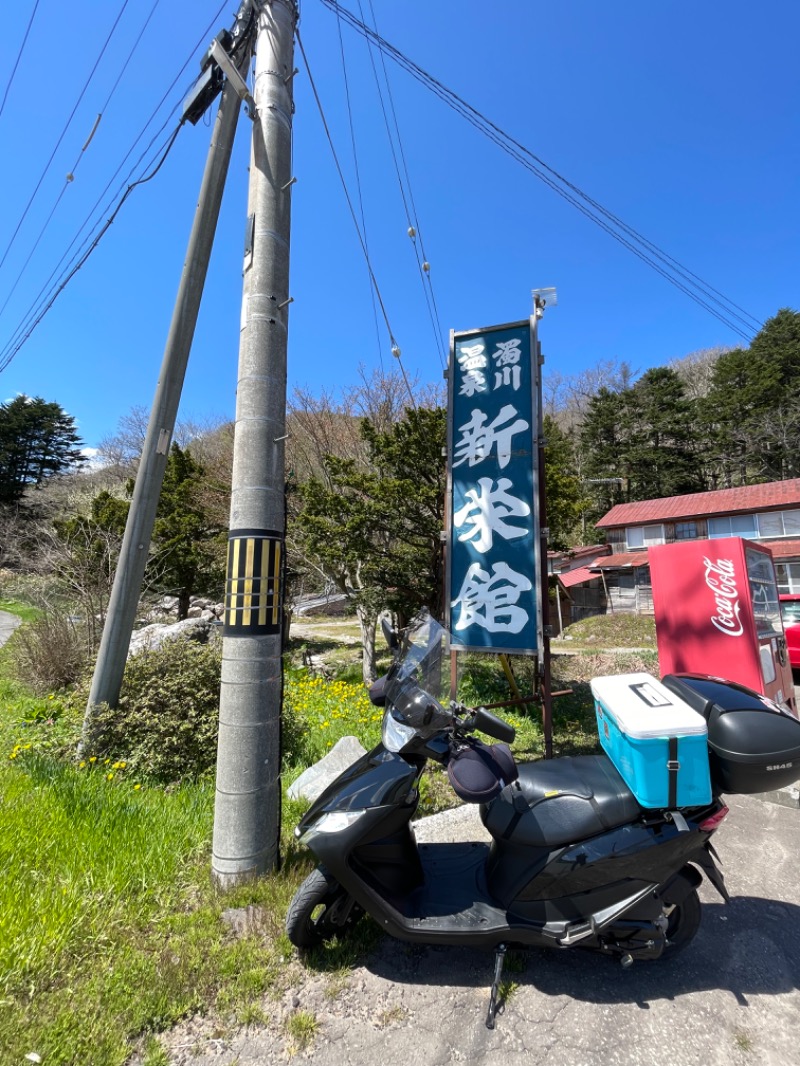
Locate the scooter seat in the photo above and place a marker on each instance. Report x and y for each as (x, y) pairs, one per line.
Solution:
(560, 801)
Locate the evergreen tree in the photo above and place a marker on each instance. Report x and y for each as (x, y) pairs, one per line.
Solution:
(602, 443)
(565, 495)
(37, 440)
(188, 546)
(751, 415)
(662, 450)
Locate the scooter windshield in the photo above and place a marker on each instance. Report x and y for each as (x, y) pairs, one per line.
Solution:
(417, 683)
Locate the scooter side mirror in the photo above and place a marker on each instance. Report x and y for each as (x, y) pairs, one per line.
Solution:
(389, 634)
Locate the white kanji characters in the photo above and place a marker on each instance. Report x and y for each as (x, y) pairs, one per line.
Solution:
(472, 360)
(490, 601)
(507, 359)
(509, 375)
(478, 439)
(508, 353)
(472, 382)
(472, 357)
(486, 512)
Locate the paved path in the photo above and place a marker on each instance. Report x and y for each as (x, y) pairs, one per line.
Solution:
(8, 623)
(732, 999)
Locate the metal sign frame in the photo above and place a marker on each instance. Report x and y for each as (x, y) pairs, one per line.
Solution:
(493, 446)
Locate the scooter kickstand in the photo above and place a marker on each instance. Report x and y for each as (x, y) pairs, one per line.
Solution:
(499, 961)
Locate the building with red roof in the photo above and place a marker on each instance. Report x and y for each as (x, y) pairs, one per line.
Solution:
(768, 513)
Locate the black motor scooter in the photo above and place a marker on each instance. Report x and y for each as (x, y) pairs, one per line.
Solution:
(574, 860)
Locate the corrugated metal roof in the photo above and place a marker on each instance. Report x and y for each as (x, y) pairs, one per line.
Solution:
(579, 576)
(772, 495)
(782, 549)
(622, 561)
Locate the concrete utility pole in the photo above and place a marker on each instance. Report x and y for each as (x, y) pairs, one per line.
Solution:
(246, 820)
(124, 600)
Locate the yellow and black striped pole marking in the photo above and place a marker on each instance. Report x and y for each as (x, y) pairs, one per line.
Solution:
(253, 586)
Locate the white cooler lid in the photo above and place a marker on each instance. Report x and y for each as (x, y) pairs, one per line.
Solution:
(644, 708)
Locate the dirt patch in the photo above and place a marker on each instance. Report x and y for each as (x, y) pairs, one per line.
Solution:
(345, 632)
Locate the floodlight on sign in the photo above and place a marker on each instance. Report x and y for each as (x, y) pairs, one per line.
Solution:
(543, 298)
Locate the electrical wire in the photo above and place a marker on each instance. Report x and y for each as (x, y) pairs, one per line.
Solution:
(63, 134)
(71, 174)
(423, 266)
(358, 186)
(392, 339)
(729, 313)
(35, 312)
(6, 359)
(19, 55)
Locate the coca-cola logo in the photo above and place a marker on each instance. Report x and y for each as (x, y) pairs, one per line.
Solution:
(721, 579)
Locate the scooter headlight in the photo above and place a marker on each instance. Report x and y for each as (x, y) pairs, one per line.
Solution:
(394, 733)
(332, 822)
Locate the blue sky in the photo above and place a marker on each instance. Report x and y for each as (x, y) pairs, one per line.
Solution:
(679, 117)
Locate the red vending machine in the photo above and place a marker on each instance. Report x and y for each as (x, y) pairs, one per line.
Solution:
(717, 612)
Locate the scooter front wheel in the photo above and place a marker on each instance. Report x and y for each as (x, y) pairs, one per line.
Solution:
(321, 908)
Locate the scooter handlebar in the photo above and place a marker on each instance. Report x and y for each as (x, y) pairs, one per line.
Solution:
(493, 726)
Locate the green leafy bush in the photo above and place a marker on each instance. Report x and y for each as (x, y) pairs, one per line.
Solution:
(166, 723)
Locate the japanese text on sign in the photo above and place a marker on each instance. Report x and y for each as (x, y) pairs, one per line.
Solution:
(493, 549)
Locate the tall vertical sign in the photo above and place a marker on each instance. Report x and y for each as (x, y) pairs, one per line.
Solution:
(493, 553)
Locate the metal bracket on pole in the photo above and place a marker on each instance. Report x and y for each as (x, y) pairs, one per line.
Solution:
(225, 63)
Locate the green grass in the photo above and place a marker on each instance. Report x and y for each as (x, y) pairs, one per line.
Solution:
(110, 930)
(109, 926)
(20, 609)
(620, 630)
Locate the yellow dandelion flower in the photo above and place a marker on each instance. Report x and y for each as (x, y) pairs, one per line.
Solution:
(109, 777)
(81, 764)
(136, 787)
(92, 758)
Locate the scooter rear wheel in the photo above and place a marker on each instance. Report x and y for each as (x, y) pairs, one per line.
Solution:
(321, 908)
(684, 921)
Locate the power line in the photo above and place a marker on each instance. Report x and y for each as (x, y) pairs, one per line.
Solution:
(358, 185)
(423, 265)
(71, 175)
(19, 55)
(63, 134)
(34, 314)
(6, 359)
(392, 340)
(730, 314)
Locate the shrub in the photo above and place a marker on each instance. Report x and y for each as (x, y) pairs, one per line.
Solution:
(166, 723)
(49, 653)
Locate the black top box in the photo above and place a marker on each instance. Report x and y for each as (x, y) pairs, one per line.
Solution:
(754, 745)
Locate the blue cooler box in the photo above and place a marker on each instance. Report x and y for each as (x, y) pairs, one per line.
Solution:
(658, 743)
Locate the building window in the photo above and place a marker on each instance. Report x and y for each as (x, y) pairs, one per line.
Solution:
(637, 537)
(736, 525)
(763, 526)
(686, 531)
(788, 575)
(778, 524)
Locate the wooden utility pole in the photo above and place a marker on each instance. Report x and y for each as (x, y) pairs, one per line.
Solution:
(247, 810)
